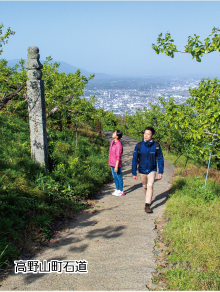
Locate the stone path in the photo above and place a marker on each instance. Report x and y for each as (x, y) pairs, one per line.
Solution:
(116, 237)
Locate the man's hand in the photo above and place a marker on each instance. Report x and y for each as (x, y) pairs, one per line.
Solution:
(159, 176)
(135, 177)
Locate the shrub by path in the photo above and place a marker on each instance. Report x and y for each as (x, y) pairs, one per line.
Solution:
(116, 237)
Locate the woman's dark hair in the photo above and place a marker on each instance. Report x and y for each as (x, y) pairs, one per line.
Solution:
(119, 134)
(150, 129)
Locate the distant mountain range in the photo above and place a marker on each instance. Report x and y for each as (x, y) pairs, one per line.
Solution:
(67, 68)
(102, 77)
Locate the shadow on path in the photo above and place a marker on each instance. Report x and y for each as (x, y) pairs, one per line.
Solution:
(133, 188)
(163, 196)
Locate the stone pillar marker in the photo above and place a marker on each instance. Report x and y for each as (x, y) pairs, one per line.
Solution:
(36, 108)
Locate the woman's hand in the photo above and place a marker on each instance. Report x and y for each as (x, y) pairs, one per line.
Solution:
(116, 166)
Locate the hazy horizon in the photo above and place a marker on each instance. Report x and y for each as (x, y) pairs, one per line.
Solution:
(105, 76)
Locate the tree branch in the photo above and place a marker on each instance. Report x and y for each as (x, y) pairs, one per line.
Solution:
(207, 132)
(54, 110)
(189, 53)
(68, 98)
(181, 52)
(75, 112)
(211, 133)
(8, 97)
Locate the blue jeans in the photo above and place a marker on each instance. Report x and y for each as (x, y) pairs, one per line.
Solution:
(117, 178)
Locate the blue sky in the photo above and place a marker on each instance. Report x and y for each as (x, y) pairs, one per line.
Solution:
(112, 37)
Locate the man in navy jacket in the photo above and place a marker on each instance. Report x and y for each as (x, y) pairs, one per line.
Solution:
(147, 159)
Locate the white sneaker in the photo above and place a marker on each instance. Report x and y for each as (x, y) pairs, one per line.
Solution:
(115, 193)
(120, 193)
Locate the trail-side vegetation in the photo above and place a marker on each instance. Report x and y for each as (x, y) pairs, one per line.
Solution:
(189, 134)
(31, 199)
(191, 235)
(189, 254)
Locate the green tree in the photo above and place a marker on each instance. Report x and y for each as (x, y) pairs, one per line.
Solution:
(63, 94)
(12, 84)
(134, 125)
(4, 38)
(108, 119)
(199, 119)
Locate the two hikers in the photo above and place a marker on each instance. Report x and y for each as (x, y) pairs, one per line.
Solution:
(147, 154)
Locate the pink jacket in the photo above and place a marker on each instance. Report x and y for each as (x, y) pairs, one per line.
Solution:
(115, 152)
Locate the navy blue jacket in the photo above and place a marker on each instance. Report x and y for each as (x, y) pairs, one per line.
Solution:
(147, 158)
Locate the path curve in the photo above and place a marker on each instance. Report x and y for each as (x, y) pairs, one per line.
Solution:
(116, 238)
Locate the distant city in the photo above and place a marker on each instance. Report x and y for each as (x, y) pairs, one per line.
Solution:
(127, 95)
(122, 95)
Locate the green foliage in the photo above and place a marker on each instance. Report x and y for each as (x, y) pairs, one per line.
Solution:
(205, 102)
(194, 46)
(4, 38)
(135, 125)
(108, 119)
(197, 123)
(58, 88)
(13, 87)
(165, 45)
(31, 198)
(199, 119)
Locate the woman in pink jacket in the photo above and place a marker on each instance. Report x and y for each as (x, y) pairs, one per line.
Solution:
(115, 162)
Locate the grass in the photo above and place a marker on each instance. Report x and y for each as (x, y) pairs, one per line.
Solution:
(192, 233)
(31, 199)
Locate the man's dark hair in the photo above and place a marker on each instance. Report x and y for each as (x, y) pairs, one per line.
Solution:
(119, 134)
(150, 129)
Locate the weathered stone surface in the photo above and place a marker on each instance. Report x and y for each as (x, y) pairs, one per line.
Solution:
(34, 74)
(36, 109)
(33, 58)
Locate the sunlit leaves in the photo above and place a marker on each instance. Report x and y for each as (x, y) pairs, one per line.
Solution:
(198, 120)
(194, 46)
(165, 45)
(4, 38)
